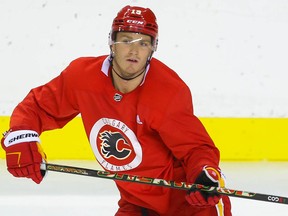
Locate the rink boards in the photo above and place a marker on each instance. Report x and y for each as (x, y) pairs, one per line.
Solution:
(239, 139)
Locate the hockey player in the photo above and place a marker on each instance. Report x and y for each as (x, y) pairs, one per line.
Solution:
(138, 116)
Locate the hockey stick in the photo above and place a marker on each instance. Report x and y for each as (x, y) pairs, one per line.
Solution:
(164, 183)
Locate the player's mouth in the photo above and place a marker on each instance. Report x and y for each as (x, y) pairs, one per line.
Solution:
(132, 60)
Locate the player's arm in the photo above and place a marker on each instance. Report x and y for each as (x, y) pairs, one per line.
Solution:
(44, 108)
(192, 145)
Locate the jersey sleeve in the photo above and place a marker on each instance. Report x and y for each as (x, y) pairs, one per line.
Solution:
(186, 137)
(46, 107)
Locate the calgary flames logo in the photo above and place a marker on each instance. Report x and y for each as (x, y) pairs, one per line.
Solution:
(115, 145)
(111, 145)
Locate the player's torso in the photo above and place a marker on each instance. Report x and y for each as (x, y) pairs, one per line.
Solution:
(121, 127)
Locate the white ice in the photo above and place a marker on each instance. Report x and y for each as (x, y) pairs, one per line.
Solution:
(72, 195)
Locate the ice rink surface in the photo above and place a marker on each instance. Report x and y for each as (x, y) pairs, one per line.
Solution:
(72, 195)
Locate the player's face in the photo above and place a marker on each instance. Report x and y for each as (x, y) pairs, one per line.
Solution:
(131, 52)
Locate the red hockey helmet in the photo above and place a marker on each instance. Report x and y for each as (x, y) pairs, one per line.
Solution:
(135, 19)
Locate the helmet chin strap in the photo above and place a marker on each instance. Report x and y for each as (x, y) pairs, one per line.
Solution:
(128, 79)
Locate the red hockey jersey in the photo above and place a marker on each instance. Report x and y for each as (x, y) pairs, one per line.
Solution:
(150, 131)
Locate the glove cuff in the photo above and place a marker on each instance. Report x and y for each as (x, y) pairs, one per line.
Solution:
(213, 174)
(20, 136)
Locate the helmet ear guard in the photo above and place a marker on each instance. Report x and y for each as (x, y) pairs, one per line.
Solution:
(110, 39)
(137, 20)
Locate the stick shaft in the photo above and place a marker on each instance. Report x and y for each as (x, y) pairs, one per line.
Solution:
(164, 183)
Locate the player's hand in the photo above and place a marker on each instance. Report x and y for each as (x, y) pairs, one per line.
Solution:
(208, 177)
(24, 154)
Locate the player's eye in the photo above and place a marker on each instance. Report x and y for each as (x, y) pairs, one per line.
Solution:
(145, 43)
(125, 41)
